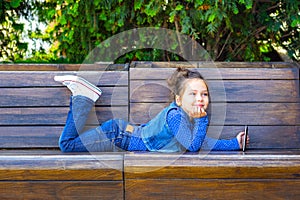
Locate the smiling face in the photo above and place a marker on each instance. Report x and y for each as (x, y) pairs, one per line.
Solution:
(194, 94)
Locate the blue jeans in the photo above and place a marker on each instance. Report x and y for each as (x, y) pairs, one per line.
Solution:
(110, 136)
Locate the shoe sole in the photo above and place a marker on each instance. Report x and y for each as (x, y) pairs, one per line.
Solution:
(79, 80)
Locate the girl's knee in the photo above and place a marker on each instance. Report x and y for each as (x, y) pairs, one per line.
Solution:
(63, 146)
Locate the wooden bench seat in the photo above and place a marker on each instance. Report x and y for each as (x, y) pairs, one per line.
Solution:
(34, 175)
(264, 96)
(216, 175)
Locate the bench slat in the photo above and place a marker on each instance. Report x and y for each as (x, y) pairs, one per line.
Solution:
(48, 97)
(206, 64)
(223, 73)
(213, 166)
(106, 190)
(99, 66)
(236, 91)
(236, 113)
(45, 78)
(103, 166)
(55, 115)
(210, 189)
(275, 137)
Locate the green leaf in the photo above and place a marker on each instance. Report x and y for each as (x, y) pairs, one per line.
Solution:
(97, 2)
(63, 20)
(211, 17)
(235, 9)
(138, 4)
(102, 16)
(295, 23)
(15, 3)
(179, 7)
(51, 13)
(198, 3)
(172, 16)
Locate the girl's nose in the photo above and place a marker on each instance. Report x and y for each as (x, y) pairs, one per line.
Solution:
(199, 97)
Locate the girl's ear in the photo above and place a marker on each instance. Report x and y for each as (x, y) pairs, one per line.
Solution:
(178, 100)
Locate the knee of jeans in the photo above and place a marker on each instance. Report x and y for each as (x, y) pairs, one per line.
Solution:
(63, 146)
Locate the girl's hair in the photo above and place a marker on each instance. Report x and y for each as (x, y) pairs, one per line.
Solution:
(176, 81)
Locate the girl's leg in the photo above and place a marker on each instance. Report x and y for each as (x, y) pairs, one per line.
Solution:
(84, 94)
(110, 136)
(80, 107)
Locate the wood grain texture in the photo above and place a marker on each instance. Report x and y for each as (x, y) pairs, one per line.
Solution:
(235, 73)
(155, 91)
(63, 67)
(56, 115)
(206, 64)
(61, 167)
(46, 78)
(236, 113)
(48, 97)
(105, 190)
(33, 110)
(212, 189)
(211, 166)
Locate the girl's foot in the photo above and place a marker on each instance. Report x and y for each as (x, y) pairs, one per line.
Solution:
(80, 86)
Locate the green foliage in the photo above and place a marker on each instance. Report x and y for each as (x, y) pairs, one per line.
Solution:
(11, 45)
(232, 30)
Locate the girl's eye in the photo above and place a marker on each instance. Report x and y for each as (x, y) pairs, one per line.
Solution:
(205, 94)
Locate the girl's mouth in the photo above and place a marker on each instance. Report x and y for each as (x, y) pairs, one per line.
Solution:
(199, 105)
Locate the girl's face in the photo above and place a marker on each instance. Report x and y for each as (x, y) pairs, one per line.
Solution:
(195, 94)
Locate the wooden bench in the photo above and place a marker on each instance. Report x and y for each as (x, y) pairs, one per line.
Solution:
(264, 96)
(33, 110)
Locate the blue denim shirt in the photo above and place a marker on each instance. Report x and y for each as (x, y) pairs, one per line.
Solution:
(156, 134)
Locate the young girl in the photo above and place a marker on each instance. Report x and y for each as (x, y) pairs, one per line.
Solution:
(179, 127)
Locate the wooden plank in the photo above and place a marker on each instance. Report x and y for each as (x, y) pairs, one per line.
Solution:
(48, 97)
(222, 91)
(205, 64)
(29, 136)
(106, 190)
(261, 137)
(64, 167)
(20, 137)
(62, 67)
(56, 115)
(38, 67)
(212, 189)
(220, 73)
(211, 166)
(252, 113)
(45, 78)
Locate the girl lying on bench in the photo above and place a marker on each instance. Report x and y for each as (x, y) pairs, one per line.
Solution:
(179, 127)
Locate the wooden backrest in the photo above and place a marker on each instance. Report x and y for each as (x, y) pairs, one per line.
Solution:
(264, 96)
(33, 107)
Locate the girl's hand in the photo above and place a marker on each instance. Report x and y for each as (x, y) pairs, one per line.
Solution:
(240, 139)
(197, 112)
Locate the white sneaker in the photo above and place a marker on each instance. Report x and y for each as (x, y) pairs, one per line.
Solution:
(79, 86)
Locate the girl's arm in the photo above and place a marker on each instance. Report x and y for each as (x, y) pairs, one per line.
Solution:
(220, 145)
(224, 145)
(190, 136)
